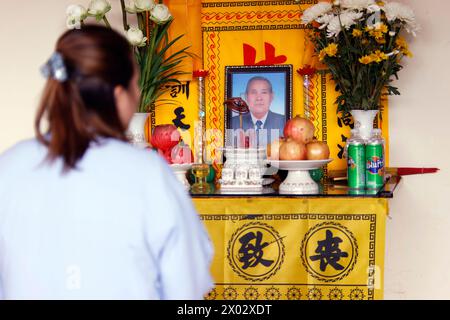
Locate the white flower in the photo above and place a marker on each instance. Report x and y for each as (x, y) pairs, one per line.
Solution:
(325, 20)
(316, 11)
(373, 8)
(356, 4)
(75, 15)
(160, 14)
(144, 5)
(136, 37)
(98, 8)
(130, 6)
(395, 10)
(399, 11)
(349, 18)
(346, 19)
(72, 23)
(76, 11)
(334, 27)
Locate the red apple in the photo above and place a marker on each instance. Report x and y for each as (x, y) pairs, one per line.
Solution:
(299, 129)
(165, 137)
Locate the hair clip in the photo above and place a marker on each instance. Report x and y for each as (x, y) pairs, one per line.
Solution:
(55, 68)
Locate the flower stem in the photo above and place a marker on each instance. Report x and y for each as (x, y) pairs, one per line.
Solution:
(105, 20)
(124, 15)
(147, 23)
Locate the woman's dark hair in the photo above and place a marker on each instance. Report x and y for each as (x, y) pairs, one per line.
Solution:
(82, 108)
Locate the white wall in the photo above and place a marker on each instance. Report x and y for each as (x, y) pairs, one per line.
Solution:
(418, 230)
(418, 233)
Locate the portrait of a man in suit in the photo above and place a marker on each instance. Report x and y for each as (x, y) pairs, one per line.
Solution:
(258, 101)
(259, 96)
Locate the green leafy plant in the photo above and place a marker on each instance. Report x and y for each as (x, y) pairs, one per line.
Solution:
(159, 66)
(360, 42)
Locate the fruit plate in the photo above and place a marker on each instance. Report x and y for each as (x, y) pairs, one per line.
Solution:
(298, 180)
(299, 165)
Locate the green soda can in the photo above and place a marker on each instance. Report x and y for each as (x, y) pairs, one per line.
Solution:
(356, 151)
(375, 160)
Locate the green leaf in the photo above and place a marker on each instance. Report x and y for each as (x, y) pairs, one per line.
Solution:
(159, 71)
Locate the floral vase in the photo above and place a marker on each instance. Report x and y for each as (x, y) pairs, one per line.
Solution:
(363, 120)
(136, 130)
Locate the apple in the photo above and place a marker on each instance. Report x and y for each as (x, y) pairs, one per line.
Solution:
(299, 129)
(273, 149)
(317, 150)
(165, 137)
(292, 150)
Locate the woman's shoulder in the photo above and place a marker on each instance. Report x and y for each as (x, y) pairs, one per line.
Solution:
(24, 149)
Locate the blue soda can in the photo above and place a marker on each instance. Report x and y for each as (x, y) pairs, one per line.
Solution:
(375, 160)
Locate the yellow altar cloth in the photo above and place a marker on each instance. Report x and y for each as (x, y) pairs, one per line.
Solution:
(270, 248)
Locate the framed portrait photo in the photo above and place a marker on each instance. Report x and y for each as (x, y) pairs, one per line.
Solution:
(267, 90)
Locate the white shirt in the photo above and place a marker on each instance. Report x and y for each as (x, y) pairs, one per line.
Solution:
(120, 227)
(263, 120)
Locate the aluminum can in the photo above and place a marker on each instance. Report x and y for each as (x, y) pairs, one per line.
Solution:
(356, 157)
(375, 160)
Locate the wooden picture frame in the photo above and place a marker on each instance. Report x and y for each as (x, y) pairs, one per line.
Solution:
(267, 90)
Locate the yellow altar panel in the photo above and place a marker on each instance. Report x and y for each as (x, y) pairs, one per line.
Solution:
(296, 248)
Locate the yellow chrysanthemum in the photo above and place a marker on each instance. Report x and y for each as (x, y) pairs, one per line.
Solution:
(402, 46)
(401, 43)
(381, 54)
(380, 40)
(407, 53)
(357, 33)
(375, 58)
(378, 56)
(380, 3)
(331, 50)
(366, 59)
(377, 34)
(383, 28)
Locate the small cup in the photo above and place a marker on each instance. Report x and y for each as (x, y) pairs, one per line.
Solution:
(254, 174)
(241, 174)
(227, 174)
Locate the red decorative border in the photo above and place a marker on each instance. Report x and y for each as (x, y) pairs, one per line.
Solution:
(212, 42)
(227, 4)
(251, 17)
(214, 107)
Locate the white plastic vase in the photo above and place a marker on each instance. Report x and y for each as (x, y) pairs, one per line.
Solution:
(136, 130)
(363, 120)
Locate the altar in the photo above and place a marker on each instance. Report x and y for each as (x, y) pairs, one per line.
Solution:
(270, 246)
(328, 244)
